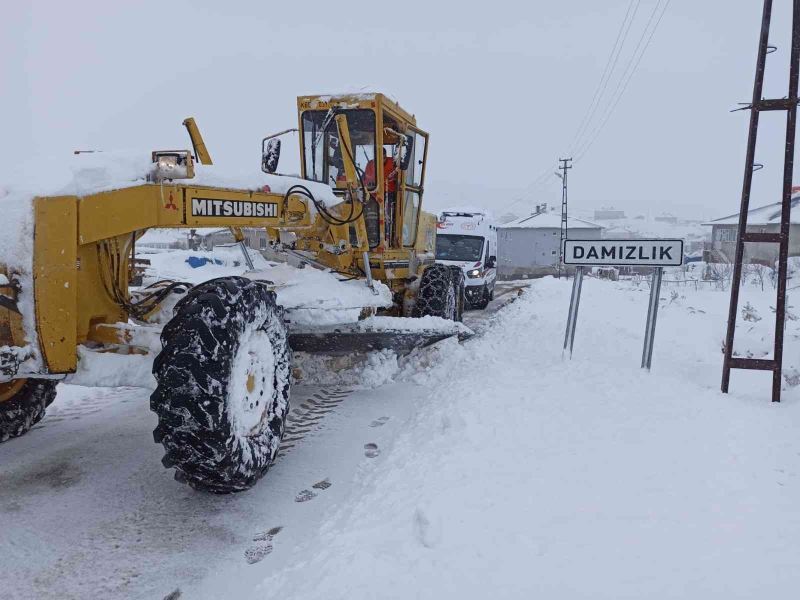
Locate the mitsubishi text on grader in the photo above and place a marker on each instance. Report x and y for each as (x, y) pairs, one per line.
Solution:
(223, 374)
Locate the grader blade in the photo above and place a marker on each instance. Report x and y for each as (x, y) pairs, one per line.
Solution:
(340, 340)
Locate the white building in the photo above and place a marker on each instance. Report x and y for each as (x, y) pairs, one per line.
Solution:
(764, 219)
(529, 246)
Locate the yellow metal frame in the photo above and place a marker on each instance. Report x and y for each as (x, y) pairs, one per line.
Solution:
(77, 238)
(70, 277)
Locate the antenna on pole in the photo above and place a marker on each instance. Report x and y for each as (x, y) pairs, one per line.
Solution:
(565, 164)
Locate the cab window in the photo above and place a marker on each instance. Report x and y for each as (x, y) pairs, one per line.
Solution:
(322, 149)
(410, 217)
(416, 166)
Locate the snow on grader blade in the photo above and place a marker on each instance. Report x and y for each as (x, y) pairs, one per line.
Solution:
(223, 370)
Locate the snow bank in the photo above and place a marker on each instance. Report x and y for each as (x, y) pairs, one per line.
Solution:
(108, 369)
(523, 475)
(370, 370)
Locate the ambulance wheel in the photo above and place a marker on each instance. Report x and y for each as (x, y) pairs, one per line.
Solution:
(437, 295)
(22, 405)
(484, 300)
(223, 385)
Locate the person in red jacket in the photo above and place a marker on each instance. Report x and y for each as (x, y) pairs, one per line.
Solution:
(389, 173)
(390, 189)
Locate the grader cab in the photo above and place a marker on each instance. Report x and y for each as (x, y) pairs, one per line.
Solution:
(223, 373)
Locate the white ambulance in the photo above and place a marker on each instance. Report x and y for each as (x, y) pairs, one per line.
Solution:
(467, 237)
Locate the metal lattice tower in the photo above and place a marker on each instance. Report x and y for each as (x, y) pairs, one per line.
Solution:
(565, 165)
(758, 105)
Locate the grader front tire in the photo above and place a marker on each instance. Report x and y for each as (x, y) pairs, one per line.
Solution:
(437, 296)
(23, 405)
(223, 385)
(459, 284)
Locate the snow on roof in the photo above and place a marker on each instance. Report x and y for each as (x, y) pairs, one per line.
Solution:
(548, 220)
(346, 96)
(763, 215)
(472, 210)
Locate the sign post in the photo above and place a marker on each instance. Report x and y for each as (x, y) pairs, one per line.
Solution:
(572, 317)
(652, 314)
(656, 253)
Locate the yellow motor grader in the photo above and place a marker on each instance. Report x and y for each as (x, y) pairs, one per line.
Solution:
(223, 373)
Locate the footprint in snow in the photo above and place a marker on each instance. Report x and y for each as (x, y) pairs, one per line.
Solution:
(257, 553)
(262, 547)
(371, 450)
(266, 536)
(379, 422)
(306, 495)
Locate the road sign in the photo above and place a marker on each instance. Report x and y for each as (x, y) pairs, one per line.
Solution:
(639, 253)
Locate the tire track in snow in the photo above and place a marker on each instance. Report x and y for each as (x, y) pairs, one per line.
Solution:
(309, 414)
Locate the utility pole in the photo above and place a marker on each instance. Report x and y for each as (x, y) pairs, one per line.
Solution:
(565, 164)
(758, 105)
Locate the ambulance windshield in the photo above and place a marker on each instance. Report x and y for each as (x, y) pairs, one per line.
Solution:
(459, 247)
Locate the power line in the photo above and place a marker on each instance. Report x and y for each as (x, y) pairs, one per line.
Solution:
(541, 180)
(582, 146)
(624, 28)
(627, 75)
(611, 64)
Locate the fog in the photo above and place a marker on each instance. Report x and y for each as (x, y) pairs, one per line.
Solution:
(502, 88)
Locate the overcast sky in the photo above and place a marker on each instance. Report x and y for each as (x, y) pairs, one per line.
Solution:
(502, 88)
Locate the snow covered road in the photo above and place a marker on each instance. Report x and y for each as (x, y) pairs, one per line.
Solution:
(498, 470)
(86, 510)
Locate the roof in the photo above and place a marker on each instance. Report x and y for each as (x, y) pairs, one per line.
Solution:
(763, 215)
(352, 100)
(548, 220)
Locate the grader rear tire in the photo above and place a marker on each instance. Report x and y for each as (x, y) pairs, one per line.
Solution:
(223, 385)
(23, 405)
(437, 296)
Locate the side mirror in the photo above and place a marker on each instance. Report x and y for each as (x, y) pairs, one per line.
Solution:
(270, 155)
(491, 262)
(406, 151)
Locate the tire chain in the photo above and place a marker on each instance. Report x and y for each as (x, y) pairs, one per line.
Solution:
(193, 371)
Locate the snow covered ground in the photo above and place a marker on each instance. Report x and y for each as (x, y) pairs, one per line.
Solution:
(491, 468)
